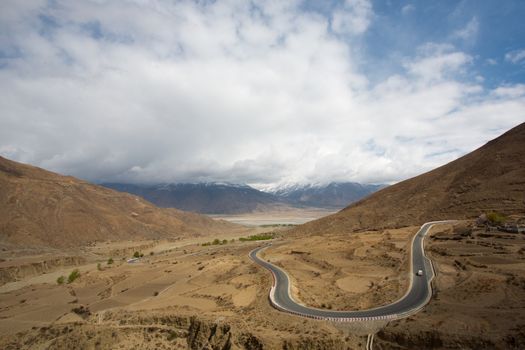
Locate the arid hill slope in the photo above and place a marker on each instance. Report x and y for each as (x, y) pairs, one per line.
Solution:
(491, 178)
(41, 208)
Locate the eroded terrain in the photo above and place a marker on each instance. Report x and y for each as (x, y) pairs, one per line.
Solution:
(479, 293)
(188, 295)
(175, 296)
(347, 271)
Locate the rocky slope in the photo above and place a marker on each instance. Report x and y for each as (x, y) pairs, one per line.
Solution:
(492, 178)
(14, 270)
(162, 331)
(478, 294)
(41, 208)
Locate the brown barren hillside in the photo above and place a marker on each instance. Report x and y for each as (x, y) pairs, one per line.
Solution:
(491, 178)
(41, 208)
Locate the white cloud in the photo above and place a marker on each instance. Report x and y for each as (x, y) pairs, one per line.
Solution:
(408, 8)
(469, 32)
(513, 91)
(517, 56)
(353, 17)
(436, 62)
(229, 91)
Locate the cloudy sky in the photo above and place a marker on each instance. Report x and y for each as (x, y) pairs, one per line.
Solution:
(257, 92)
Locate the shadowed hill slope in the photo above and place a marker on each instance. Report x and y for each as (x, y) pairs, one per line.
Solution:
(491, 178)
(208, 198)
(41, 208)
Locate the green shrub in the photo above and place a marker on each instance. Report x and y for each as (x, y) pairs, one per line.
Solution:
(61, 280)
(110, 261)
(277, 225)
(172, 335)
(136, 255)
(496, 218)
(216, 241)
(258, 237)
(73, 276)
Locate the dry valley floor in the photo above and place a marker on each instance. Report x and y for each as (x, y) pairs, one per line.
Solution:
(187, 295)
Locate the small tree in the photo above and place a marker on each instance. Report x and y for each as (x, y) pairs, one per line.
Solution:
(73, 276)
(136, 255)
(110, 261)
(496, 218)
(60, 280)
(216, 241)
(224, 241)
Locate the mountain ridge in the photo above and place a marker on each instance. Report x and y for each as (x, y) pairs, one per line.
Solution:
(331, 195)
(205, 198)
(221, 198)
(41, 208)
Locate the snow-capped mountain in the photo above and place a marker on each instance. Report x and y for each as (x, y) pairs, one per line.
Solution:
(331, 195)
(227, 198)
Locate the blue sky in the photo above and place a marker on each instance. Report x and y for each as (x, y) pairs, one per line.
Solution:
(259, 92)
(486, 30)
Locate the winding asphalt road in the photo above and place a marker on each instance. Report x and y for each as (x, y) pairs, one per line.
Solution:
(417, 296)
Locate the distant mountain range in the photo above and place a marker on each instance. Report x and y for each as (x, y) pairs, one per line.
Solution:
(209, 198)
(332, 195)
(223, 198)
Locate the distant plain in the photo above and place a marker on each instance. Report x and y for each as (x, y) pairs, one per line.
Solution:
(289, 216)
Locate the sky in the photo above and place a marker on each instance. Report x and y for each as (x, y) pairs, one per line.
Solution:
(265, 93)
